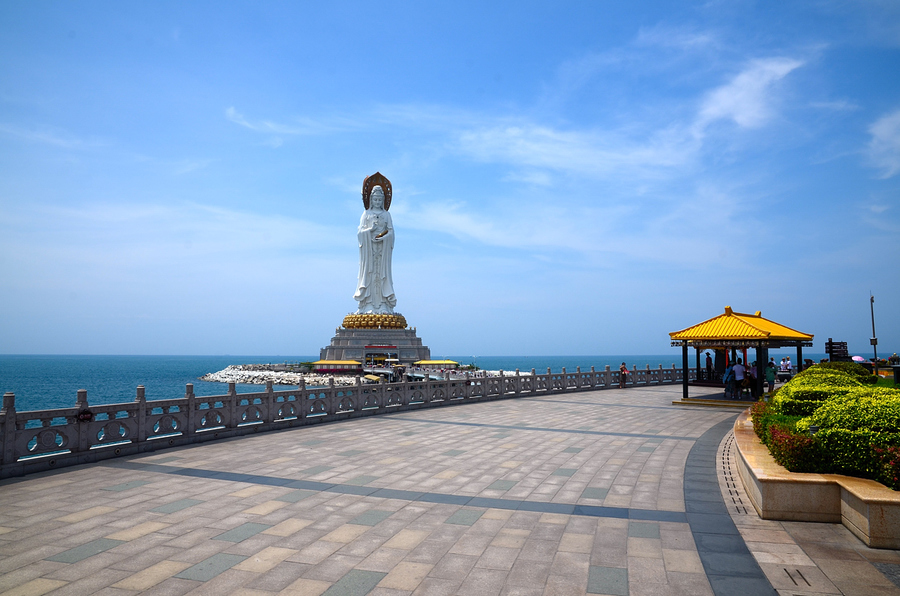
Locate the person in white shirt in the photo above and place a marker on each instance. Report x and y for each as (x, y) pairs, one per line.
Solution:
(739, 371)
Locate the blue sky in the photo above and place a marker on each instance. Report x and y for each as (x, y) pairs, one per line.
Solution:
(569, 178)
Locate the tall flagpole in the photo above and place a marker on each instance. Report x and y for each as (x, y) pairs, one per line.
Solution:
(874, 340)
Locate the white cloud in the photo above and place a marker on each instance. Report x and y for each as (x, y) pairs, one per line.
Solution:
(301, 126)
(593, 154)
(674, 37)
(186, 166)
(840, 105)
(884, 148)
(747, 99)
(49, 137)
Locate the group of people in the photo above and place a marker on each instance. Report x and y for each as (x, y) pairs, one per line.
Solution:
(738, 377)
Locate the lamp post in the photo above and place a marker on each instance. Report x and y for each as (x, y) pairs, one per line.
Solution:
(874, 340)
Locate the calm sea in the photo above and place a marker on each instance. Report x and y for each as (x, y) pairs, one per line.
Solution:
(43, 382)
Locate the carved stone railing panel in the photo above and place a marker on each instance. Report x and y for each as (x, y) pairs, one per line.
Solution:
(457, 390)
(44, 439)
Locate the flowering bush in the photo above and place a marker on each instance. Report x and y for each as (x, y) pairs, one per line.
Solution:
(888, 461)
(795, 451)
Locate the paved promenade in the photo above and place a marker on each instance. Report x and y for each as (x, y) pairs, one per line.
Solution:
(607, 492)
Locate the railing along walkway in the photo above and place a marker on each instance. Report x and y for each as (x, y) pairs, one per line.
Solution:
(49, 439)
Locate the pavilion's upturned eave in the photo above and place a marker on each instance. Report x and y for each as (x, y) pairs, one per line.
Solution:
(740, 327)
(741, 343)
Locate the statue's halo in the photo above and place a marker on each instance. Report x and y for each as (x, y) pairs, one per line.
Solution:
(370, 182)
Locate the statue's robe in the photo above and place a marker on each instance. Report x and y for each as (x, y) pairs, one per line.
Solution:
(370, 296)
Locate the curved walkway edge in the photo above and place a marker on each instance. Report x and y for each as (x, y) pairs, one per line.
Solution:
(729, 565)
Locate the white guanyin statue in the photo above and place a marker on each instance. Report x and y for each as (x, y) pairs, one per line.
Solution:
(375, 283)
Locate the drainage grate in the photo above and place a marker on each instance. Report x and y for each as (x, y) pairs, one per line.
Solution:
(734, 492)
(797, 577)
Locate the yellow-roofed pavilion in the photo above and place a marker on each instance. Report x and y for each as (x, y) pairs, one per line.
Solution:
(739, 331)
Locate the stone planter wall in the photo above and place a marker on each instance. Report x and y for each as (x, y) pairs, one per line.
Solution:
(867, 508)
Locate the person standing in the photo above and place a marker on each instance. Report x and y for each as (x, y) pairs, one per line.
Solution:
(623, 374)
(709, 365)
(728, 379)
(770, 375)
(739, 374)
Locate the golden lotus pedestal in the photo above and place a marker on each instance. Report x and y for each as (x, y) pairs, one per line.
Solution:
(374, 321)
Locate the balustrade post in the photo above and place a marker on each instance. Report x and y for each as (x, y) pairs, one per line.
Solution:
(9, 428)
(593, 378)
(191, 426)
(269, 414)
(302, 408)
(232, 406)
(607, 377)
(141, 415)
(82, 427)
(331, 399)
(565, 382)
(534, 383)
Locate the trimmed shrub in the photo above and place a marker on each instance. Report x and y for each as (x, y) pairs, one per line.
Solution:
(858, 426)
(853, 426)
(854, 369)
(765, 416)
(803, 394)
(872, 408)
(795, 451)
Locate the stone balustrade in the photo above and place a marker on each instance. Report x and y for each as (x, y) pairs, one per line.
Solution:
(48, 439)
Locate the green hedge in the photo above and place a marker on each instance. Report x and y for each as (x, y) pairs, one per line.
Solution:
(853, 369)
(803, 394)
(858, 425)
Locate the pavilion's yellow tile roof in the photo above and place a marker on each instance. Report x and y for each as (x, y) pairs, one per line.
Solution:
(436, 362)
(336, 362)
(734, 325)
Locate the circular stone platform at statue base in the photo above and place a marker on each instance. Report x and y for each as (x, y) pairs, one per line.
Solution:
(366, 344)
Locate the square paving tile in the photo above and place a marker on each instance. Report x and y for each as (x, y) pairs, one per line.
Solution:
(607, 580)
(209, 568)
(643, 530)
(242, 532)
(295, 496)
(127, 485)
(89, 549)
(175, 506)
(373, 517)
(594, 493)
(356, 583)
(464, 517)
(361, 480)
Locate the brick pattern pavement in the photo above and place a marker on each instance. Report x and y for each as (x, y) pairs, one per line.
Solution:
(568, 494)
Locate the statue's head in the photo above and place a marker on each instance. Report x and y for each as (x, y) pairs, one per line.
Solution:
(376, 199)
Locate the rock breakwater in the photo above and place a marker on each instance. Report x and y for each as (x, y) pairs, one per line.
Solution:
(255, 374)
